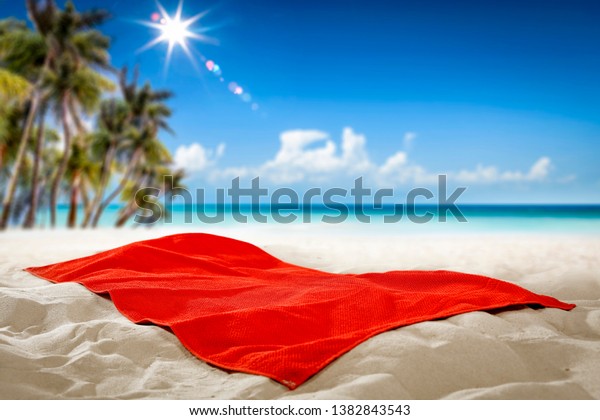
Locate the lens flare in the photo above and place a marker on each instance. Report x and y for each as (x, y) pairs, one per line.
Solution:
(175, 31)
(213, 67)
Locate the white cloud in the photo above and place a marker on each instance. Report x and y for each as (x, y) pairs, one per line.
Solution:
(489, 174)
(397, 170)
(296, 157)
(220, 150)
(540, 169)
(479, 174)
(196, 158)
(394, 163)
(409, 138)
(312, 156)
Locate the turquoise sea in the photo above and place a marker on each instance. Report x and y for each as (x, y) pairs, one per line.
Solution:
(580, 219)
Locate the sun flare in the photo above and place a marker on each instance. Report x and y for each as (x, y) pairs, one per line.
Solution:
(175, 31)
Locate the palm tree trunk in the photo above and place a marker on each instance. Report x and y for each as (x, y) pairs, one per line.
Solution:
(72, 218)
(87, 214)
(76, 119)
(39, 147)
(85, 199)
(104, 178)
(130, 168)
(129, 210)
(77, 185)
(11, 186)
(36, 98)
(125, 214)
(2, 154)
(62, 168)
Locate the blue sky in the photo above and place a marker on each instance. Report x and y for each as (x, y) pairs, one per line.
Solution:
(504, 97)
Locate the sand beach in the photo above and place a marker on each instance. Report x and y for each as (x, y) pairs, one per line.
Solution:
(63, 341)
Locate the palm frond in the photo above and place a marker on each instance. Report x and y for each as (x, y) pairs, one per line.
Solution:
(88, 87)
(22, 51)
(11, 24)
(92, 18)
(42, 15)
(92, 46)
(13, 87)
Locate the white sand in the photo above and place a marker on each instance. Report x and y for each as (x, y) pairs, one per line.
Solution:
(62, 341)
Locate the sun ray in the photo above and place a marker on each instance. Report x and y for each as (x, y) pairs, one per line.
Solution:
(176, 31)
(178, 13)
(187, 51)
(194, 19)
(148, 24)
(169, 54)
(149, 45)
(161, 9)
(205, 39)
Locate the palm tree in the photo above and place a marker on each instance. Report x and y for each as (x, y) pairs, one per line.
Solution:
(73, 81)
(151, 178)
(72, 88)
(147, 116)
(81, 169)
(11, 117)
(113, 123)
(47, 164)
(21, 51)
(44, 159)
(140, 144)
(61, 37)
(130, 195)
(14, 91)
(56, 69)
(39, 147)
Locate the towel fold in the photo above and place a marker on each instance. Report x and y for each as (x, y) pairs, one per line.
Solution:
(239, 308)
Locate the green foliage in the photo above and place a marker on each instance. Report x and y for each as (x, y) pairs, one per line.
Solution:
(61, 65)
(11, 115)
(13, 87)
(82, 85)
(22, 51)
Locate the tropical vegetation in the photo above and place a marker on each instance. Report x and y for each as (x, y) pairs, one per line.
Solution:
(74, 130)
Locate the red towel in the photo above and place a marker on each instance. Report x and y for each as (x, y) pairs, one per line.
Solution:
(239, 308)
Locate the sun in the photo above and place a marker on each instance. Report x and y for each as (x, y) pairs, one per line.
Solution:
(175, 31)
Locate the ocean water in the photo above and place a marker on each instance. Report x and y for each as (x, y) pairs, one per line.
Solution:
(579, 219)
